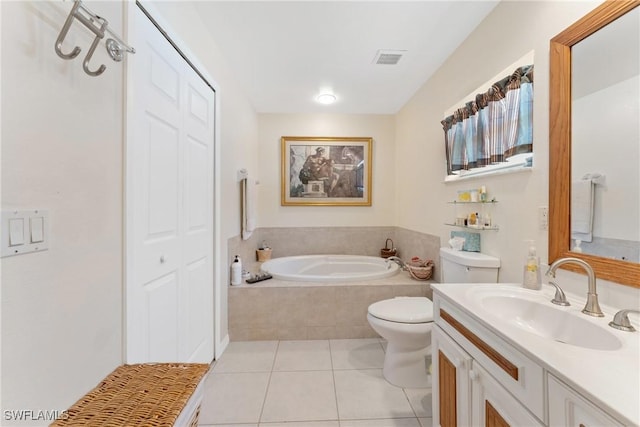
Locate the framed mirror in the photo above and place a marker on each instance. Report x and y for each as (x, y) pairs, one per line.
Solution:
(574, 108)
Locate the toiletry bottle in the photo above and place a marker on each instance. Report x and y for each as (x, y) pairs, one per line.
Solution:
(577, 247)
(532, 278)
(483, 194)
(236, 271)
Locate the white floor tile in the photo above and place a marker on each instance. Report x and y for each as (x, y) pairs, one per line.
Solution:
(300, 396)
(420, 400)
(247, 356)
(227, 425)
(303, 356)
(394, 422)
(365, 394)
(233, 398)
(357, 353)
(303, 424)
(426, 422)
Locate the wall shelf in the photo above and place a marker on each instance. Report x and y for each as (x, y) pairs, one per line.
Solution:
(467, 208)
(488, 202)
(471, 227)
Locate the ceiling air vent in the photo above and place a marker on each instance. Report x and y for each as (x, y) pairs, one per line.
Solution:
(388, 57)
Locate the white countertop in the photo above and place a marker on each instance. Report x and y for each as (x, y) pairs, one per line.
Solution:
(611, 379)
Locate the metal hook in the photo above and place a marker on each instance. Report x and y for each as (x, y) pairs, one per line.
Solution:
(92, 49)
(63, 34)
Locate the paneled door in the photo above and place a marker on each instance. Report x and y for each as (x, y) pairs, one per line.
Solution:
(169, 204)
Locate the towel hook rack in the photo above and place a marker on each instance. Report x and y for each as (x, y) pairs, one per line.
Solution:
(97, 25)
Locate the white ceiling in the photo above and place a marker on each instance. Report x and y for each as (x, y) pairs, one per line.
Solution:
(284, 53)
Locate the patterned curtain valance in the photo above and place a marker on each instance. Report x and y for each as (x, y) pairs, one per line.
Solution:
(496, 125)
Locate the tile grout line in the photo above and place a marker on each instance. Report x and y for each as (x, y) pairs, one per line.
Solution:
(266, 393)
(333, 376)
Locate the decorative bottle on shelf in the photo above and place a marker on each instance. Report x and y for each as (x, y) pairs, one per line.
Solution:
(483, 194)
(236, 271)
(532, 278)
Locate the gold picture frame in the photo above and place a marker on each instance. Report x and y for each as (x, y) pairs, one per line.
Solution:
(326, 171)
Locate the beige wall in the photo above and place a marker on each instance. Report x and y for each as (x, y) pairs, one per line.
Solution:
(273, 126)
(62, 151)
(510, 31)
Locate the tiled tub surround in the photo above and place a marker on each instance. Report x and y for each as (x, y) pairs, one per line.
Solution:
(287, 310)
(290, 241)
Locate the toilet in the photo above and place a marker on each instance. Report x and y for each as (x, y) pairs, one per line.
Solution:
(406, 322)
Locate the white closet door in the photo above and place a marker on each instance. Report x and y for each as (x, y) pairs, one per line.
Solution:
(169, 204)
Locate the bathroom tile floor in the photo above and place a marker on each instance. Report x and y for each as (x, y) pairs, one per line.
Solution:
(319, 383)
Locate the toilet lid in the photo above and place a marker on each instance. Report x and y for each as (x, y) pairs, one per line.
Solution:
(403, 310)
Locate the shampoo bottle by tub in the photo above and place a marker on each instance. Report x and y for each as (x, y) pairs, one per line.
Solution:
(236, 271)
(532, 278)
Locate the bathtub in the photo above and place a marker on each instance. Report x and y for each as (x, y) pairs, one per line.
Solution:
(330, 268)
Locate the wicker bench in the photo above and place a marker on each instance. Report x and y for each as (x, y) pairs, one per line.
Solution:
(158, 394)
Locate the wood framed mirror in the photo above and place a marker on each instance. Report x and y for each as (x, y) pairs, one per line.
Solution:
(560, 144)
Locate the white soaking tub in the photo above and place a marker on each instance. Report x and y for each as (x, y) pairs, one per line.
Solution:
(330, 268)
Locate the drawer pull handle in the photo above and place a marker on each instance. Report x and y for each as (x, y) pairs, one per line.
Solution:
(490, 352)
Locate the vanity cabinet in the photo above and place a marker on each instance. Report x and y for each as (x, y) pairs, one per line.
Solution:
(568, 408)
(450, 369)
(493, 406)
(481, 379)
(467, 395)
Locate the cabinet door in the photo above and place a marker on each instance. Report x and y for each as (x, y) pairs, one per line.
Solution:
(492, 405)
(568, 408)
(451, 389)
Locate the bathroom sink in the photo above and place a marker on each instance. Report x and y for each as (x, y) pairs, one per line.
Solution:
(543, 319)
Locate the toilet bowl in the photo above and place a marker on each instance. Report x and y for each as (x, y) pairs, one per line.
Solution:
(405, 322)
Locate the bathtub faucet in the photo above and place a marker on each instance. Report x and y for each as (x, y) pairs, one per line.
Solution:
(397, 261)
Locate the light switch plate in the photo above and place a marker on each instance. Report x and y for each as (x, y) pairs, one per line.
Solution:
(543, 217)
(34, 236)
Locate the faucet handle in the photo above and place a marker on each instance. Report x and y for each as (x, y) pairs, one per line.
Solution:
(559, 298)
(621, 320)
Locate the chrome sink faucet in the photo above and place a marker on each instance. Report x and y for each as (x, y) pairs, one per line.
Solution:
(592, 308)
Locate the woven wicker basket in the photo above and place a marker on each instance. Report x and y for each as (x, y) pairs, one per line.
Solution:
(150, 395)
(420, 269)
(388, 250)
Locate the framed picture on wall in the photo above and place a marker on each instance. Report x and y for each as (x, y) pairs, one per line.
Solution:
(326, 171)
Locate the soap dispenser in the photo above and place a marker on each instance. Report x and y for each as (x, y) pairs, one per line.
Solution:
(532, 278)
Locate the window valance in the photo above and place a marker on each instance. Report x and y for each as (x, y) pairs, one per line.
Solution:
(495, 126)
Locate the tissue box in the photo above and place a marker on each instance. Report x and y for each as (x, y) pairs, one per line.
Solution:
(471, 240)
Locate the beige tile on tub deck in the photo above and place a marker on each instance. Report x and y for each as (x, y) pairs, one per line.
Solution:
(356, 353)
(320, 306)
(426, 422)
(365, 394)
(247, 356)
(309, 355)
(392, 422)
(300, 396)
(233, 398)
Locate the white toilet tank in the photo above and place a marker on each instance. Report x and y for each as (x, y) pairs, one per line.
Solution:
(468, 267)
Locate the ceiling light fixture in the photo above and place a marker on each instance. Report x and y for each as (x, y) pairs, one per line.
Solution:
(326, 98)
